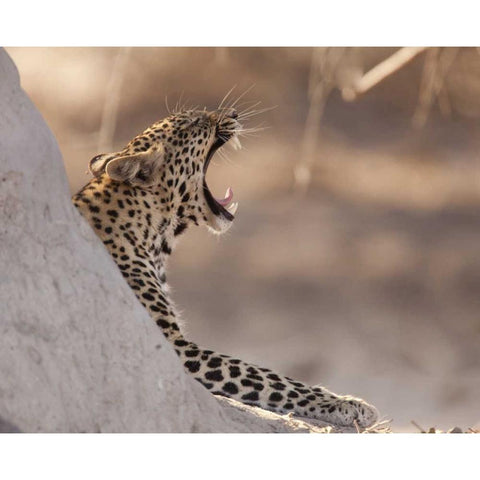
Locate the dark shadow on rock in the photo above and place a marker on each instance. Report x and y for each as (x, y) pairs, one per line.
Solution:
(7, 427)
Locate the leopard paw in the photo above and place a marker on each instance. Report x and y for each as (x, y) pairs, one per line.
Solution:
(348, 411)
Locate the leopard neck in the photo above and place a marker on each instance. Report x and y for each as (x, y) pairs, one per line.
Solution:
(139, 227)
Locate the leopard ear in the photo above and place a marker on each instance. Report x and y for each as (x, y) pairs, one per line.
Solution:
(140, 169)
(97, 164)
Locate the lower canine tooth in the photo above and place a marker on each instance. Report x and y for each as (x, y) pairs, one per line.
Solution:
(233, 208)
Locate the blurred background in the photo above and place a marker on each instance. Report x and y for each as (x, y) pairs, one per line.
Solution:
(354, 259)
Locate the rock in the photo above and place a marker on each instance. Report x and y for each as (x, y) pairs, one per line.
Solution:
(78, 352)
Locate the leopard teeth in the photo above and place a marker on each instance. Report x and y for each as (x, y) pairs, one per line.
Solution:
(236, 143)
(233, 208)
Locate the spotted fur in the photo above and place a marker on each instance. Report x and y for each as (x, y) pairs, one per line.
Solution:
(139, 202)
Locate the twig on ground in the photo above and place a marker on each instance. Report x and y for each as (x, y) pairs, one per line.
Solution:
(414, 423)
(383, 426)
(356, 426)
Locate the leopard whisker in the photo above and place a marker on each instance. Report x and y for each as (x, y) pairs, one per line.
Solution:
(248, 109)
(232, 105)
(252, 113)
(167, 106)
(177, 110)
(226, 96)
(223, 155)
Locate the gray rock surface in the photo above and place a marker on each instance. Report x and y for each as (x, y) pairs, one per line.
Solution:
(78, 353)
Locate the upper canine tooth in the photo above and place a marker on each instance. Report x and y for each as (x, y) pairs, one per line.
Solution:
(236, 143)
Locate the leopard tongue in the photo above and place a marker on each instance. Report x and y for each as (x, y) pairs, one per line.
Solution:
(228, 198)
(225, 202)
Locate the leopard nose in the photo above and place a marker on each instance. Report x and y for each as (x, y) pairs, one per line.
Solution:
(226, 112)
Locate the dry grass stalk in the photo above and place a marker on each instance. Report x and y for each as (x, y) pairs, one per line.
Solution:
(438, 62)
(222, 55)
(112, 101)
(381, 71)
(323, 71)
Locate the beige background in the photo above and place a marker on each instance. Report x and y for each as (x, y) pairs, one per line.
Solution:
(368, 283)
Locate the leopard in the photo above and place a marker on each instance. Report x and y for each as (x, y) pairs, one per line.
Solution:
(140, 201)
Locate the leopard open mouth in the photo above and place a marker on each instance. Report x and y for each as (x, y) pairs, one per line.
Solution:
(221, 207)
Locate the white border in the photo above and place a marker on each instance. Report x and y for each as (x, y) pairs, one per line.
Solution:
(242, 23)
(232, 457)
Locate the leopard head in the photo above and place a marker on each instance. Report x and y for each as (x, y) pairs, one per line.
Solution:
(170, 159)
